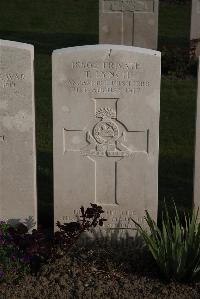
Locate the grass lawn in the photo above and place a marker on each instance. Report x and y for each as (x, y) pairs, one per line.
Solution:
(174, 24)
(50, 25)
(177, 130)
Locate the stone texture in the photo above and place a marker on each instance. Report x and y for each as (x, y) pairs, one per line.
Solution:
(197, 151)
(129, 22)
(106, 130)
(195, 27)
(17, 133)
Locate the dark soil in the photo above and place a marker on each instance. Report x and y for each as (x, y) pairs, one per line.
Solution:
(89, 272)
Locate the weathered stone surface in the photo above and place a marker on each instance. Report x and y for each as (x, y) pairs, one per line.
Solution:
(106, 130)
(195, 27)
(17, 133)
(129, 22)
(197, 151)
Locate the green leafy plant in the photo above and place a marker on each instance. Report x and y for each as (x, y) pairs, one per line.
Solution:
(175, 246)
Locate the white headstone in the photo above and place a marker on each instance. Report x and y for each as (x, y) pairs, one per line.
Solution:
(17, 133)
(195, 27)
(106, 128)
(129, 22)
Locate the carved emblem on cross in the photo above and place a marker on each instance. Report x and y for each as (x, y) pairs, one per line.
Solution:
(106, 144)
(107, 136)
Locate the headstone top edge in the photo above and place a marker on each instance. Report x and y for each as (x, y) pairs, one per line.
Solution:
(15, 44)
(106, 47)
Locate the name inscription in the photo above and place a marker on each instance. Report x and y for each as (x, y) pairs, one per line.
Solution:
(128, 5)
(107, 77)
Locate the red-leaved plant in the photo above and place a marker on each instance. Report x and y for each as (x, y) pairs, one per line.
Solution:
(22, 252)
(69, 233)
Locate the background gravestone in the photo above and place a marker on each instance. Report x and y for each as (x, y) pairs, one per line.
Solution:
(195, 27)
(106, 128)
(129, 22)
(17, 133)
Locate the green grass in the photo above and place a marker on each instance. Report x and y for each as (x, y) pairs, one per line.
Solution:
(53, 24)
(50, 16)
(174, 24)
(177, 130)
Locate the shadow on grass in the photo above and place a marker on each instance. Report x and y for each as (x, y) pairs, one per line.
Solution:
(176, 180)
(47, 42)
(45, 189)
(172, 42)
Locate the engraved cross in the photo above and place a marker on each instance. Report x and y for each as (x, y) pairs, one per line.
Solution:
(128, 8)
(107, 142)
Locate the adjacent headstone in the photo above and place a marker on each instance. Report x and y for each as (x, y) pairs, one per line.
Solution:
(129, 22)
(197, 151)
(106, 130)
(17, 133)
(195, 28)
